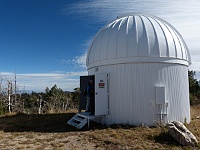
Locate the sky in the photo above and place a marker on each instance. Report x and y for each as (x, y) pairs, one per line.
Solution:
(44, 42)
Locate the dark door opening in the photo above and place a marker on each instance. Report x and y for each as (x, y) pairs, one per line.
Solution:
(101, 93)
(84, 80)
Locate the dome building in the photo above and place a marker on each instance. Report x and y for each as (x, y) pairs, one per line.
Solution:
(147, 61)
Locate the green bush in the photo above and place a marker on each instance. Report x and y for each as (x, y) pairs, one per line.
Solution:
(2, 109)
(193, 99)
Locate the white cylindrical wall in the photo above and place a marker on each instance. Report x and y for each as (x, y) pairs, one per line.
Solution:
(132, 95)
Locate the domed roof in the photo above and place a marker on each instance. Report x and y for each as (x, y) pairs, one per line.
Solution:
(137, 38)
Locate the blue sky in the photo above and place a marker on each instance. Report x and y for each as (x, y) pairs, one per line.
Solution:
(45, 41)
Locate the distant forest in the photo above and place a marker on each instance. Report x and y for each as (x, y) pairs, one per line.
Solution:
(55, 100)
(194, 88)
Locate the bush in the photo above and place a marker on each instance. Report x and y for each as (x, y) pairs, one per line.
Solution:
(193, 99)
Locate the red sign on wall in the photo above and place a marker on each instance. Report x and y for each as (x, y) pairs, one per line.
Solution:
(101, 85)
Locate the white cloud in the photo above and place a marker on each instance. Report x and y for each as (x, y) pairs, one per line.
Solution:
(183, 15)
(81, 60)
(39, 81)
(197, 76)
(104, 10)
(78, 62)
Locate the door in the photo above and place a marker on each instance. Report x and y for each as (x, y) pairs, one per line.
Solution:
(84, 80)
(101, 94)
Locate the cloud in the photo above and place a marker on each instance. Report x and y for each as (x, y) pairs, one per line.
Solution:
(39, 81)
(197, 76)
(77, 62)
(104, 10)
(183, 15)
(81, 60)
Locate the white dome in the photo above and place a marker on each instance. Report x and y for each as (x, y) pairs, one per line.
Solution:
(137, 38)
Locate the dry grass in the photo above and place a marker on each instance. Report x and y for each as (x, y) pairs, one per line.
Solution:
(51, 131)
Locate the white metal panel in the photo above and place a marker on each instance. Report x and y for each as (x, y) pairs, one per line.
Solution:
(138, 60)
(131, 40)
(157, 56)
(104, 43)
(96, 45)
(90, 54)
(101, 94)
(132, 92)
(184, 53)
(169, 40)
(161, 39)
(121, 39)
(112, 51)
(153, 38)
(160, 95)
(177, 44)
(143, 47)
(138, 36)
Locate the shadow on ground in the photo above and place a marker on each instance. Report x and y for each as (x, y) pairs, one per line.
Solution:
(37, 123)
(57, 123)
(165, 138)
(43, 123)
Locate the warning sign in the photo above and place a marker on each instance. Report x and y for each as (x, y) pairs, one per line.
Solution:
(101, 85)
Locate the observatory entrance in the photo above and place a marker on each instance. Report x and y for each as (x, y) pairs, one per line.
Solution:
(100, 81)
(101, 93)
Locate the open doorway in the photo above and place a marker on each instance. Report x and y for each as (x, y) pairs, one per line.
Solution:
(84, 80)
(101, 93)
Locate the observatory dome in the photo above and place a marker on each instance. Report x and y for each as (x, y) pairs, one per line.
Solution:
(137, 39)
